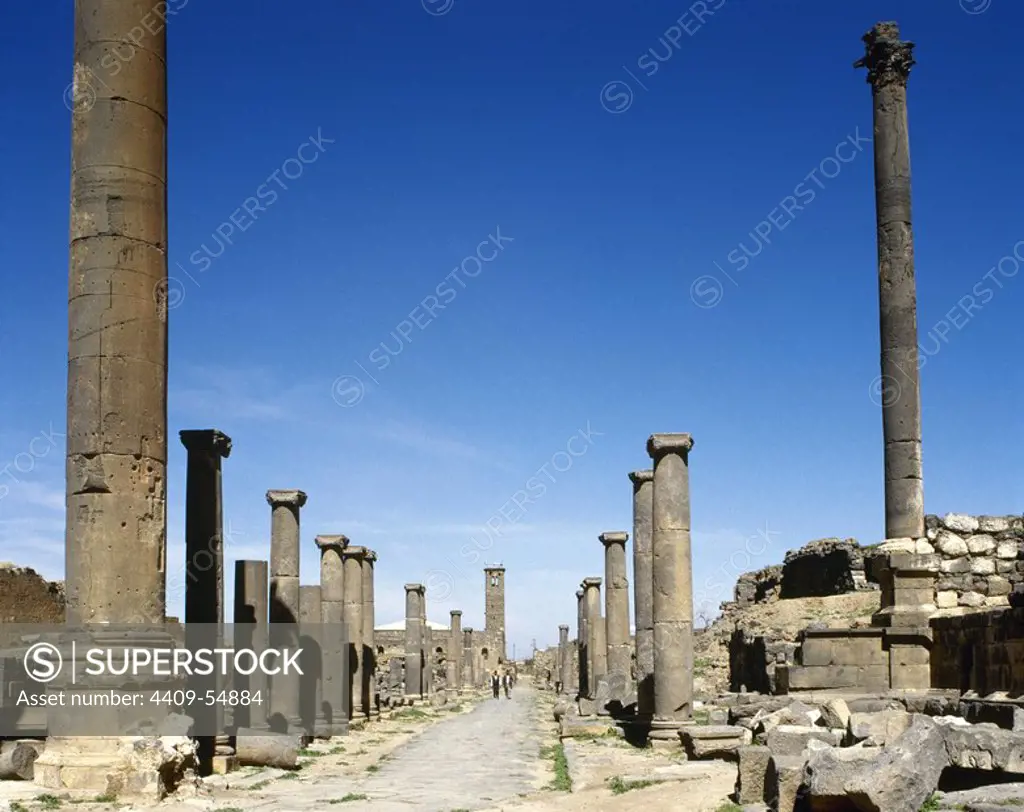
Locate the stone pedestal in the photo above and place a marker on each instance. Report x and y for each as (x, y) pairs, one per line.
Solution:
(250, 618)
(888, 60)
(413, 640)
(455, 655)
(672, 578)
(334, 642)
(285, 715)
(616, 603)
(369, 621)
(643, 591)
(352, 559)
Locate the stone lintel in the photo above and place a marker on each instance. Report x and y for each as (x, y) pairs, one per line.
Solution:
(336, 541)
(613, 537)
(887, 57)
(292, 498)
(588, 582)
(659, 444)
(413, 587)
(639, 477)
(209, 440)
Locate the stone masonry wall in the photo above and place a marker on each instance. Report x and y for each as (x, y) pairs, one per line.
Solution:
(981, 652)
(981, 559)
(27, 597)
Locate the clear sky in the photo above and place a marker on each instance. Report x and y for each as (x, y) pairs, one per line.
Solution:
(613, 164)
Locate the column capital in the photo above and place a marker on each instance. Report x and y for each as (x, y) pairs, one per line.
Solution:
(660, 444)
(591, 582)
(640, 477)
(208, 440)
(563, 628)
(336, 542)
(494, 569)
(613, 537)
(284, 497)
(369, 555)
(353, 552)
(414, 587)
(467, 630)
(456, 613)
(579, 594)
(887, 57)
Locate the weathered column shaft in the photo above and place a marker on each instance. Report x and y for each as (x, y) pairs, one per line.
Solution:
(581, 642)
(352, 559)
(369, 622)
(284, 600)
(413, 640)
(116, 463)
(312, 687)
(468, 670)
(672, 578)
(564, 659)
(888, 60)
(596, 656)
(455, 654)
(334, 645)
(204, 526)
(250, 618)
(616, 602)
(643, 589)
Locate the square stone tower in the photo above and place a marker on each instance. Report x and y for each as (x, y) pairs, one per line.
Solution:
(494, 613)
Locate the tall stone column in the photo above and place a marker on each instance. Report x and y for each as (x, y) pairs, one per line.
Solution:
(455, 656)
(596, 656)
(673, 583)
(643, 592)
(564, 659)
(888, 60)
(427, 651)
(468, 669)
(284, 603)
(581, 642)
(369, 623)
(312, 693)
(352, 559)
(334, 644)
(616, 605)
(250, 619)
(413, 640)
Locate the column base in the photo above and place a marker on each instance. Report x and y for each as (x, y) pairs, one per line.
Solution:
(123, 767)
(664, 733)
(222, 765)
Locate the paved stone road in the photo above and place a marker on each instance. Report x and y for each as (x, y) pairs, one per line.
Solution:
(471, 761)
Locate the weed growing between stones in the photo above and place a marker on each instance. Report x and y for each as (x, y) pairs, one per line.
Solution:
(619, 786)
(349, 797)
(49, 801)
(562, 781)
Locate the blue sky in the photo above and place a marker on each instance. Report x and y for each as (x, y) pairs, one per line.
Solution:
(622, 187)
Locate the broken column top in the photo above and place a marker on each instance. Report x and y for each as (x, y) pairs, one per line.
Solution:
(206, 440)
(887, 57)
(658, 444)
(338, 540)
(639, 477)
(456, 613)
(613, 537)
(595, 581)
(414, 587)
(283, 497)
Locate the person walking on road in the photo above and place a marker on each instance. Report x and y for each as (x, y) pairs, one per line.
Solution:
(507, 681)
(495, 684)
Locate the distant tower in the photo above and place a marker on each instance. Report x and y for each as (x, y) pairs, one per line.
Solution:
(494, 611)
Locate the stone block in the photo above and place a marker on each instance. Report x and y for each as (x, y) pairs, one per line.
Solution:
(981, 545)
(983, 566)
(960, 523)
(900, 656)
(981, 747)
(753, 773)
(713, 741)
(950, 544)
(573, 727)
(785, 775)
(835, 714)
(993, 524)
(955, 565)
(946, 599)
(827, 773)
(910, 677)
(718, 716)
(1007, 550)
(792, 740)
(1007, 715)
(972, 599)
(879, 727)
(997, 585)
(816, 651)
(997, 600)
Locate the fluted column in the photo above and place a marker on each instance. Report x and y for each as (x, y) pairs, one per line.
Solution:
(673, 583)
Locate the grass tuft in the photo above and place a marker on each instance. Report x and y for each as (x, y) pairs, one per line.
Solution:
(351, 796)
(562, 781)
(619, 786)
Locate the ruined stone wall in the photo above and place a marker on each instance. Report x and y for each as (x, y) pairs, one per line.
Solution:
(981, 560)
(982, 652)
(27, 597)
(824, 567)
